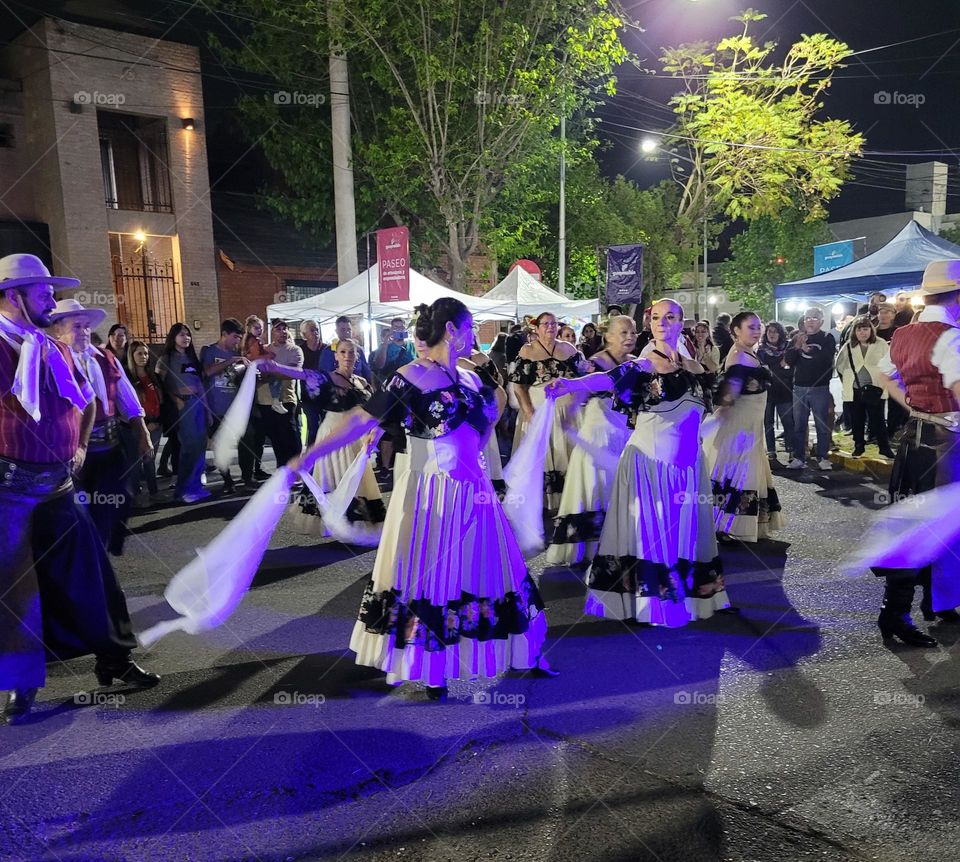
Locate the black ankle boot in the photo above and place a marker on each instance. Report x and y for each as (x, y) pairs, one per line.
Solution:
(18, 706)
(124, 670)
(894, 620)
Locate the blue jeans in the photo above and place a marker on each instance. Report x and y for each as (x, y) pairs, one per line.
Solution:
(816, 399)
(192, 433)
(785, 411)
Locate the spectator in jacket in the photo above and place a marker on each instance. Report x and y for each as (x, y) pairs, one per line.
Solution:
(722, 337)
(858, 366)
(772, 353)
(811, 358)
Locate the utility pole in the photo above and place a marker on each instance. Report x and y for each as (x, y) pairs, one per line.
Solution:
(344, 206)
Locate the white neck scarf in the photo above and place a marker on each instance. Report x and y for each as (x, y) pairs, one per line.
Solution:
(86, 361)
(34, 348)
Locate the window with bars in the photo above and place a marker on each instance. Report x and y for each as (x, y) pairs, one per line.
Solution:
(134, 159)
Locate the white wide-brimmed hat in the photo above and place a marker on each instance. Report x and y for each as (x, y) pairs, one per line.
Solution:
(72, 308)
(941, 276)
(20, 269)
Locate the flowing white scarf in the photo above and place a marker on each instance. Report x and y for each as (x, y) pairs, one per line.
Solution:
(34, 348)
(523, 503)
(208, 589)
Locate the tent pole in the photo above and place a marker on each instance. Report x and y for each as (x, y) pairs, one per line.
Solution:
(370, 347)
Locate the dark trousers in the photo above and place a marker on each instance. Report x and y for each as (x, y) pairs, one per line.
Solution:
(785, 411)
(283, 430)
(170, 457)
(61, 596)
(896, 417)
(250, 450)
(314, 415)
(280, 428)
(862, 412)
(103, 486)
(192, 433)
(927, 458)
(148, 466)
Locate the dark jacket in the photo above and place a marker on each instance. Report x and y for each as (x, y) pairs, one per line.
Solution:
(723, 340)
(781, 384)
(814, 367)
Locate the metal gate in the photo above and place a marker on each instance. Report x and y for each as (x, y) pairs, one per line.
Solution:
(149, 299)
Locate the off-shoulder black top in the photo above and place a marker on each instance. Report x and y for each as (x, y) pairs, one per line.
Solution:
(755, 381)
(635, 390)
(537, 372)
(435, 413)
(333, 399)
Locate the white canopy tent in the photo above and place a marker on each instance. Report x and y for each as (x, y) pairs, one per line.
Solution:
(520, 294)
(351, 299)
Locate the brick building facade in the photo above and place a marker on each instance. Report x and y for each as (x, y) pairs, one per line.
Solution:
(102, 143)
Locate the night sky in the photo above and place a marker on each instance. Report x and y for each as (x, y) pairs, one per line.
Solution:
(927, 66)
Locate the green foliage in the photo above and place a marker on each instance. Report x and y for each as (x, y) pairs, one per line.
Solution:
(754, 129)
(951, 233)
(752, 270)
(451, 101)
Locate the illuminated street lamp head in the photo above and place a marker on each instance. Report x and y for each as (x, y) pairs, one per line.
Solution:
(139, 236)
(648, 146)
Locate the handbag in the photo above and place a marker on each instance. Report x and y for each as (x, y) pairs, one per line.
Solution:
(870, 395)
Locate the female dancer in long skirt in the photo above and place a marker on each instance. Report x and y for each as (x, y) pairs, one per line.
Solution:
(746, 505)
(546, 358)
(657, 562)
(586, 489)
(450, 596)
(340, 391)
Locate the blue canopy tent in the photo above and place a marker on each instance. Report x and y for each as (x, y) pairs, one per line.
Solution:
(897, 266)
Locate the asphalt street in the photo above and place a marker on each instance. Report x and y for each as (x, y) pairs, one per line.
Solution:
(787, 733)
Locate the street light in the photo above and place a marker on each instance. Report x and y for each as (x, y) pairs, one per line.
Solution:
(648, 147)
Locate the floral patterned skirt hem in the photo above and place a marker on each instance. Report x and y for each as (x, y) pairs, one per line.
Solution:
(466, 660)
(474, 637)
(654, 610)
(745, 514)
(627, 588)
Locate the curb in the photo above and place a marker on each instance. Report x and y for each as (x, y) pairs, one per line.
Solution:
(877, 468)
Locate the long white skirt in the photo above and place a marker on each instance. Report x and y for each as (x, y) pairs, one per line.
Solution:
(558, 449)
(746, 505)
(657, 561)
(328, 471)
(450, 596)
(587, 486)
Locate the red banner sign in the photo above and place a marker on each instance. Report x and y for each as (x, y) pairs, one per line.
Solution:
(393, 257)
